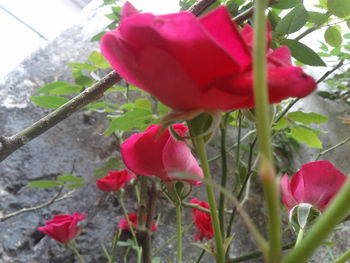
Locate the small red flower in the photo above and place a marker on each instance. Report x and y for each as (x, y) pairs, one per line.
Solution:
(202, 221)
(123, 223)
(315, 183)
(63, 228)
(115, 180)
(164, 157)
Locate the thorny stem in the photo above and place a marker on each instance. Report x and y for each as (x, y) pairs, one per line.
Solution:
(224, 171)
(200, 147)
(266, 171)
(332, 148)
(72, 246)
(179, 232)
(56, 198)
(344, 258)
(115, 245)
(248, 13)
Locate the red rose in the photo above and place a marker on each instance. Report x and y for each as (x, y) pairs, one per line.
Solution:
(192, 63)
(63, 228)
(164, 157)
(202, 221)
(123, 223)
(315, 183)
(115, 180)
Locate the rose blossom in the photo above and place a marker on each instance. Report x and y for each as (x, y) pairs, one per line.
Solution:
(316, 183)
(191, 63)
(63, 228)
(145, 154)
(115, 180)
(123, 223)
(202, 221)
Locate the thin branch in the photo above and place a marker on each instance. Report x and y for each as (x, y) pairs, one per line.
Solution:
(200, 6)
(239, 19)
(10, 144)
(56, 198)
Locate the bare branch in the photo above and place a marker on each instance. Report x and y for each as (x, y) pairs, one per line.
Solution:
(10, 144)
(200, 6)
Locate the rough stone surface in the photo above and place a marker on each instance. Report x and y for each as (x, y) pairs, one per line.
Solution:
(78, 144)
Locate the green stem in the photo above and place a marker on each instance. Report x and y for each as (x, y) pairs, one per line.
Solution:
(332, 148)
(179, 233)
(299, 237)
(190, 205)
(198, 260)
(125, 212)
(72, 246)
(141, 224)
(115, 245)
(200, 147)
(338, 210)
(224, 172)
(171, 239)
(344, 258)
(267, 173)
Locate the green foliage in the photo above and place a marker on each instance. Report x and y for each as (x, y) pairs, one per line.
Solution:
(112, 164)
(333, 37)
(307, 118)
(303, 53)
(99, 60)
(293, 21)
(67, 180)
(306, 136)
(340, 8)
(286, 4)
(48, 102)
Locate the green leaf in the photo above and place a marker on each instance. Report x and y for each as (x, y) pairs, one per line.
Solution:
(306, 136)
(96, 105)
(85, 66)
(48, 102)
(69, 178)
(340, 8)
(333, 36)
(137, 118)
(54, 85)
(348, 23)
(293, 21)
(317, 18)
(307, 118)
(143, 104)
(98, 36)
(162, 109)
(346, 36)
(44, 184)
(303, 53)
(67, 90)
(81, 79)
(286, 4)
(98, 59)
(323, 46)
(281, 124)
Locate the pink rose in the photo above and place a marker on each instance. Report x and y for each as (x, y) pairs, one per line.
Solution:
(202, 221)
(123, 223)
(192, 63)
(315, 183)
(63, 228)
(115, 180)
(164, 157)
